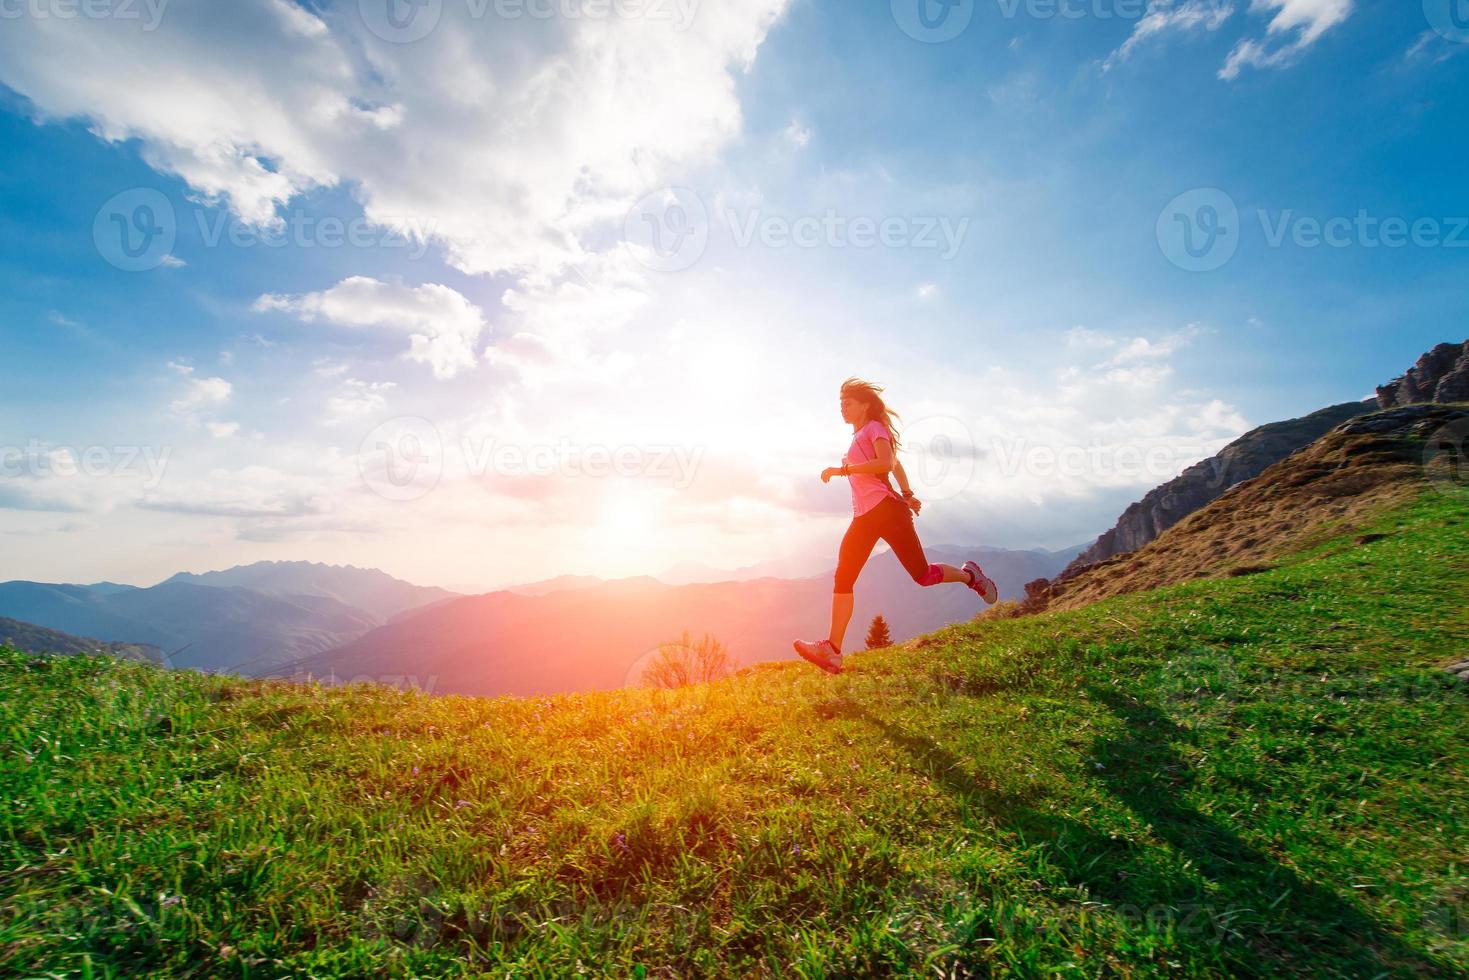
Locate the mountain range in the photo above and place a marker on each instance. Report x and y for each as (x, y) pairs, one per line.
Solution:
(245, 619)
(271, 618)
(598, 636)
(39, 639)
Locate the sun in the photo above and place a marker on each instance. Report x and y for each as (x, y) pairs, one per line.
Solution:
(628, 514)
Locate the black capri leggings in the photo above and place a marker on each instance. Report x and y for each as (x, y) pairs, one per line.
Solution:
(891, 521)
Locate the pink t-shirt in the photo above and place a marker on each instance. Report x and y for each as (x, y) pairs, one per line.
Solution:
(868, 489)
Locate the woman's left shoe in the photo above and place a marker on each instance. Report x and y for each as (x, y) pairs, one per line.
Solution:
(982, 583)
(822, 654)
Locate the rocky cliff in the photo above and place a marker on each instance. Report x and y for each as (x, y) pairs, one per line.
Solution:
(1245, 458)
(1441, 376)
(1334, 486)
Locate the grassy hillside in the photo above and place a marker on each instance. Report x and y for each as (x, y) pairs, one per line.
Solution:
(1262, 774)
(29, 636)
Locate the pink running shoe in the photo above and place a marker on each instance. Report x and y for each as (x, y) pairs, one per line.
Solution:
(982, 583)
(822, 654)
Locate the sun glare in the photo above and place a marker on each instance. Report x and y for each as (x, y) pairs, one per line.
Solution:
(628, 515)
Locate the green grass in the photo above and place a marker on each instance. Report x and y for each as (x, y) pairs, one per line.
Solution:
(1261, 775)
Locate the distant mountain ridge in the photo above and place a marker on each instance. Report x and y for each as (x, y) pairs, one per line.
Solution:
(38, 639)
(244, 619)
(591, 638)
(197, 626)
(367, 589)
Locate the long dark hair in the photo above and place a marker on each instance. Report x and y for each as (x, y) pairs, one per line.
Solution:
(870, 395)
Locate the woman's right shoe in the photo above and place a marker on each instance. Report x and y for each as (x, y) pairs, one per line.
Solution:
(822, 654)
(982, 583)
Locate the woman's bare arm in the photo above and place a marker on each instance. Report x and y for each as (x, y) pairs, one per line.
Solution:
(901, 475)
(877, 467)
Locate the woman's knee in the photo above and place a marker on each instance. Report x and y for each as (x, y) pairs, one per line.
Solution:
(933, 575)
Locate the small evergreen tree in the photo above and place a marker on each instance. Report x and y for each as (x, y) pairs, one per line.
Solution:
(878, 635)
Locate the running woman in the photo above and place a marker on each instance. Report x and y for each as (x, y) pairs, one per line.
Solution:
(878, 512)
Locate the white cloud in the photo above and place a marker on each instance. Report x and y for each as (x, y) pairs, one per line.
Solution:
(927, 290)
(251, 491)
(797, 135)
(442, 326)
(1296, 26)
(605, 292)
(509, 144)
(1172, 16)
(199, 393)
(1130, 350)
(357, 399)
(223, 430)
(325, 367)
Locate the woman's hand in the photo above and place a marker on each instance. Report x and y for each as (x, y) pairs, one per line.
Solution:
(830, 472)
(913, 503)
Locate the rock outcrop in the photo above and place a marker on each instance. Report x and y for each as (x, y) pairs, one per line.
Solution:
(1245, 458)
(1440, 376)
(1334, 486)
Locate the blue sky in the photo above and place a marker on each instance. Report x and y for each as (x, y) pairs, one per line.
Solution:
(503, 175)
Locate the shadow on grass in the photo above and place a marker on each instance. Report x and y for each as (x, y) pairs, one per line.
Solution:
(1266, 918)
